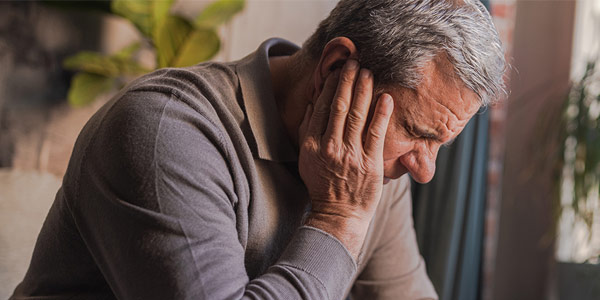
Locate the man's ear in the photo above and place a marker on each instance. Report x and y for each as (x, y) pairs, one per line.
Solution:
(334, 56)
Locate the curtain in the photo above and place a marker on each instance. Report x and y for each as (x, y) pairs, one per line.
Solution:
(449, 213)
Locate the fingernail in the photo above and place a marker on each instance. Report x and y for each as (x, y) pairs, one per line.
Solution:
(387, 99)
(352, 64)
(364, 73)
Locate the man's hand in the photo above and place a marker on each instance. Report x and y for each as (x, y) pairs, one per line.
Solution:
(342, 171)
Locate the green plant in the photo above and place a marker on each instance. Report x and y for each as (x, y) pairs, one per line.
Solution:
(581, 144)
(175, 40)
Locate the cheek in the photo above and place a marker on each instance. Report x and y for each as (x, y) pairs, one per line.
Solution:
(396, 144)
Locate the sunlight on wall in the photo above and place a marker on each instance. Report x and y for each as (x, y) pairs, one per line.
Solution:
(586, 44)
(578, 240)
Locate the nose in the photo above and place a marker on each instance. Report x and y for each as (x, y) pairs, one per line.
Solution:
(424, 168)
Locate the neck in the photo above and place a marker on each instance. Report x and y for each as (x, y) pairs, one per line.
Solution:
(292, 91)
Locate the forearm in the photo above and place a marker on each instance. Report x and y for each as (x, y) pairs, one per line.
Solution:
(350, 232)
(314, 265)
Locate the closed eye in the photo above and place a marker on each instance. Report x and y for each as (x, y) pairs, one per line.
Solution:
(429, 136)
(421, 134)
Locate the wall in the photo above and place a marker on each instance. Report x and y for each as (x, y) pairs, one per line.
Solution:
(539, 82)
(503, 13)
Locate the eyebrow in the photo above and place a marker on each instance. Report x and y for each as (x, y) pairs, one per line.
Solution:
(425, 133)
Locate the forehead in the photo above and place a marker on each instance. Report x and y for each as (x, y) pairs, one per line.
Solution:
(440, 100)
(441, 84)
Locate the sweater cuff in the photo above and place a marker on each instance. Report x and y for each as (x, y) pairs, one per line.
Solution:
(320, 254)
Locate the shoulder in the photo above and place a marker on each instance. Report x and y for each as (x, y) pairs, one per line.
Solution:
(143, 126)
(157, 119)
(154, 106)
(204, 84)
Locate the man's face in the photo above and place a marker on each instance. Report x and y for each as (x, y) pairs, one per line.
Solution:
(424, 119)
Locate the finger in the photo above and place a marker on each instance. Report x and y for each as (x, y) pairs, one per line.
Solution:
(320, 111)
(378, 127)
(303, 129)
(357, 116)
(341, 101)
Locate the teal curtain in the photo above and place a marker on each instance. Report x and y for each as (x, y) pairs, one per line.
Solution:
(449, 214)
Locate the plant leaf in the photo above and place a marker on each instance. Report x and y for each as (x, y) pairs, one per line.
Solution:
(109, 66)
(160, 10)
(92, 62)
(139, 12)
(144, 14)
(218, 13)
(169, 36)
(127, 52)
(201, 45)
(85, 87)
(130, 67)
(125, 63)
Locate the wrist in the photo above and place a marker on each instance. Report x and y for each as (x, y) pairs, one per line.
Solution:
(351, 232)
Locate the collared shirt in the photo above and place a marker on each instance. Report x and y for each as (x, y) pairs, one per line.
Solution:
(185, 186)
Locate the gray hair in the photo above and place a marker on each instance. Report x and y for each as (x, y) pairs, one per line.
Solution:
(396, 38)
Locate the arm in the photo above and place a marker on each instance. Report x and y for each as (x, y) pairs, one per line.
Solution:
(156, 205)
(395, 270)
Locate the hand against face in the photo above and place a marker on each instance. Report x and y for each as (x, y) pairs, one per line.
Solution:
(342, 171)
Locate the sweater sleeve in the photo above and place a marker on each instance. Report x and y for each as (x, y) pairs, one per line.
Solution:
(155, 206)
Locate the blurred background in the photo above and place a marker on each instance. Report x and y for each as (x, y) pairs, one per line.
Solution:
(514, 209)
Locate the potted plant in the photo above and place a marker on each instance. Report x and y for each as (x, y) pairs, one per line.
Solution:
(175, 41)
(578, 245)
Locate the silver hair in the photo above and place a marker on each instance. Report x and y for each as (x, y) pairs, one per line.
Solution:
(396, 38)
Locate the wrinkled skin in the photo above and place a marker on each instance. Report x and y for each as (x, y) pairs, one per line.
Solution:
(426, 118)
(343, 171)
(344, 159)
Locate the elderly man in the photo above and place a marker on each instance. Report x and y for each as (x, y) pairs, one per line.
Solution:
(264, 178)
